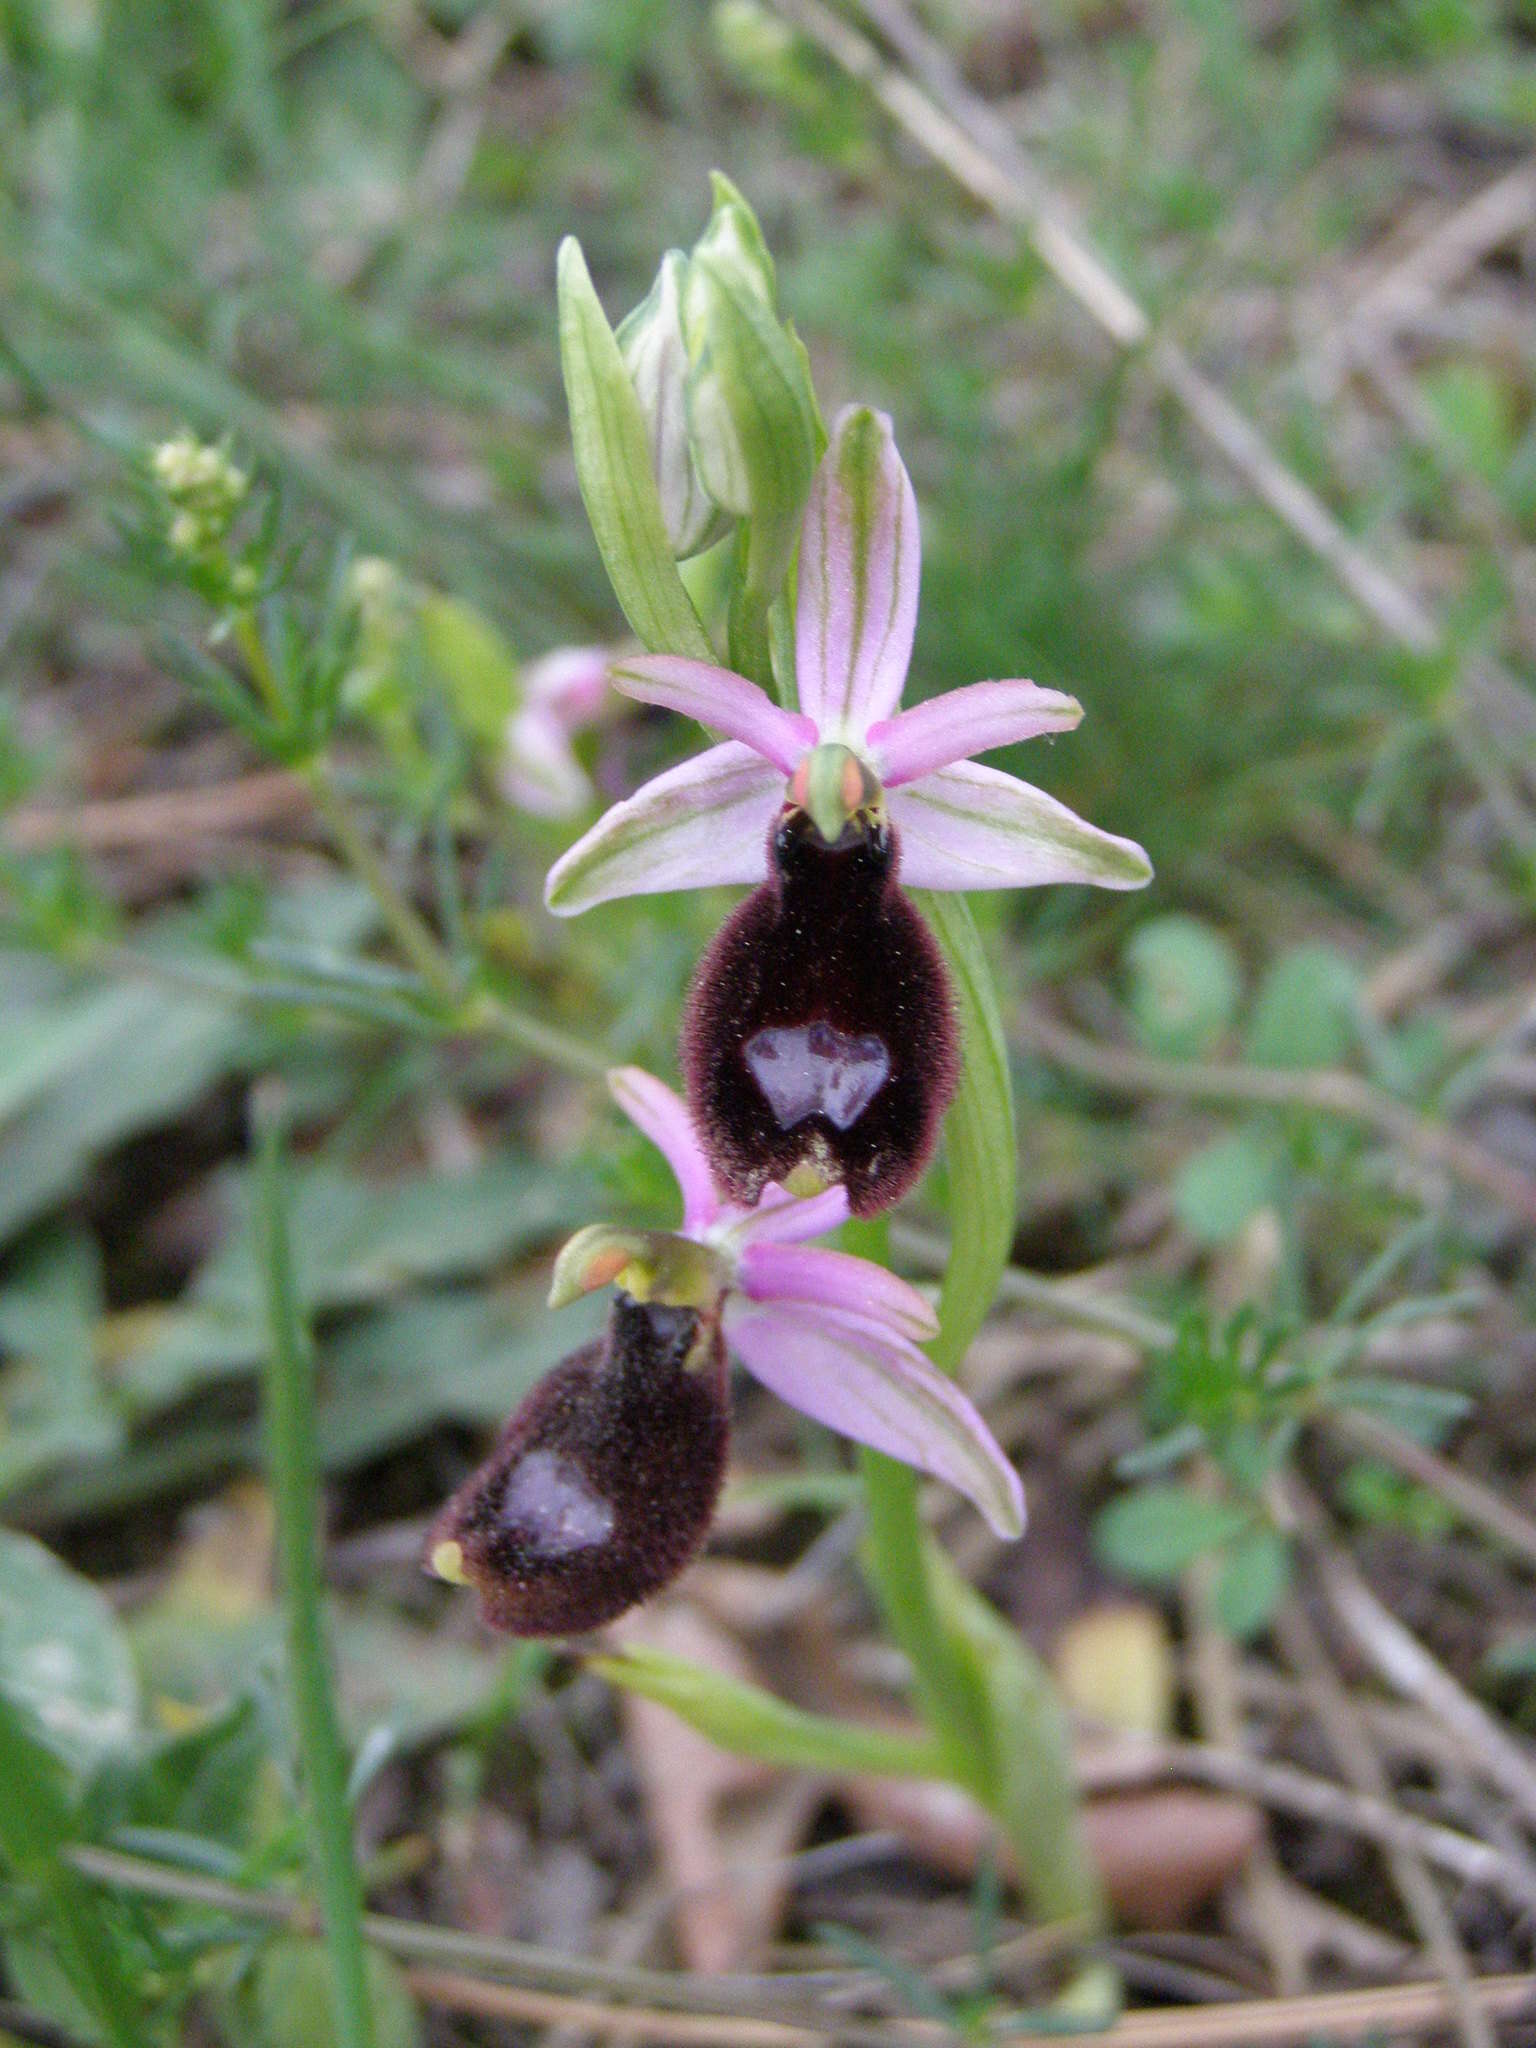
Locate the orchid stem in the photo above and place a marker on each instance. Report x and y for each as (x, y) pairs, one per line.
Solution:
(898, 1571)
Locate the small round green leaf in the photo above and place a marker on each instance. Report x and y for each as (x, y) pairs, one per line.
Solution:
(1185, 982)
(63, 1656)
(1252, 1582)
(1224, 1185)
(1157, 1532)
(1304, 1014)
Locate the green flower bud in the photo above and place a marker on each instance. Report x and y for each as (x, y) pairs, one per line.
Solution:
(752, 417)
(734, 240)
(203, 490)
(655, 354)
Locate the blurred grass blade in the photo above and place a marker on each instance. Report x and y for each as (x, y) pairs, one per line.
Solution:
(747, 1721)
(295, 1478)
(34, 1826)
(613, 467)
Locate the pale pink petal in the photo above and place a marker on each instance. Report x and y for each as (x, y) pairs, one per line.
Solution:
(537, 770)
(721, 699)
(782, 1218)
(571, 681)
(971, 827)
(882, 1393)
(781, 1272)
(965, 722)
(652, 1108)
(860, 561)
(703, 822)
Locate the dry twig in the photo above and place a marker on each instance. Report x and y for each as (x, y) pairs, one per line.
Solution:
(985, 158)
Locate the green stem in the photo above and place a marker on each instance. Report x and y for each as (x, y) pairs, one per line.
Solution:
(295, 1480)
(405, 924)
(407, 927)
(896, 1561)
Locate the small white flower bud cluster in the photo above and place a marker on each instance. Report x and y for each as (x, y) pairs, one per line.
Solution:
(204, 489)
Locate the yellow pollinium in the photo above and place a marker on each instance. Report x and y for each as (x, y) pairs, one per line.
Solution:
(447, 1562)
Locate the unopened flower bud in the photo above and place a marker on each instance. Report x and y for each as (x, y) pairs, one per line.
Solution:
(752, 420)
(656, 356)
(604, 1482)
(820, 1036)
(734, 242)
(204, 489)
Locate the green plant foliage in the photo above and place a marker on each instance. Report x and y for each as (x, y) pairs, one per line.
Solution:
(1305, 1009)
(1159, 1531)
(1184, 986)
(64, 1660)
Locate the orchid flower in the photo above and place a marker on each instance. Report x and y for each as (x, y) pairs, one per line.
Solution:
(562, 692)
(833, 1335)
(604, 1483)
(849, 747)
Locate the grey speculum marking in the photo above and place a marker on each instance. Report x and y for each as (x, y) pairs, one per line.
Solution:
(815, 1069)
(549, 1508)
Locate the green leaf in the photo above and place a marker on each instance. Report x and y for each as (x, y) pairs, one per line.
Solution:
(1184, 986)
(1252, 1582)
(1028, 1781)
(356, 1243)
(64, 1658)
(1226, 1184)
(980, 1148)
(1472, 406)
(1156, 1532)
(747, 1721)
(981, 1159)
(613, 468)
(1425, 1413)
(36, 1822)
(54, 1403)
(1305, 1011)
(286, 2003)
(475, 665)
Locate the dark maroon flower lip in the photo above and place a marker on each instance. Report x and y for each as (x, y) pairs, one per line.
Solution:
(820, 1032)
(604, 1483)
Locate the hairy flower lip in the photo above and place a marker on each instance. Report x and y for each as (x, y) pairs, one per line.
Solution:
(965, 826)
(820, 1027)
(603, 1484)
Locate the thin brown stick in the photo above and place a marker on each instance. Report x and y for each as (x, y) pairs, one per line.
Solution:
(521, 1966)
(1328, 1090)
(1270, 2023)
(1477, 1504)
(1358, 1759)
(1336, 2015)
(1410, 286)
(1213, 1675)
(1298, 1792)
(985, 158)
(270, 797)
(455, 1993)
(1402, 1660)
